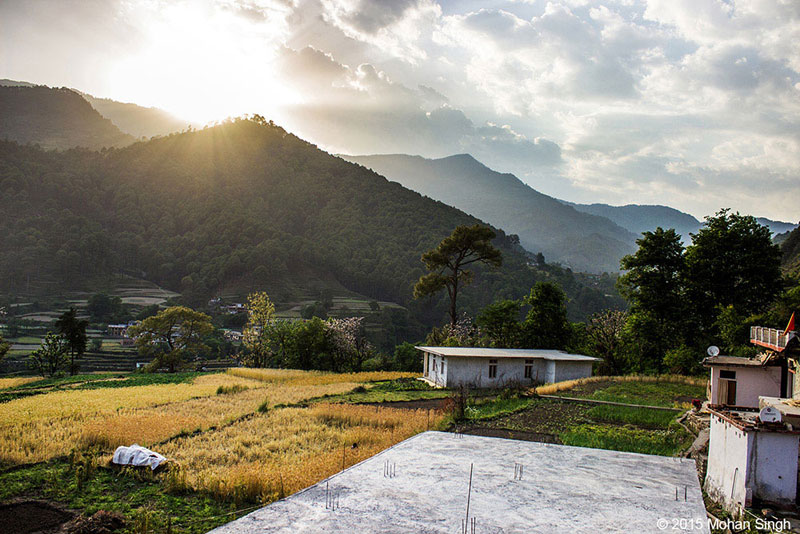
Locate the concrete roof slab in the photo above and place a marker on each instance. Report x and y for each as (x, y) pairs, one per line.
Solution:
(492, 352)
(563, 489)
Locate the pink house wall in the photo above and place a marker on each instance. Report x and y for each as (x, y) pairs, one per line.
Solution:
(751, 383)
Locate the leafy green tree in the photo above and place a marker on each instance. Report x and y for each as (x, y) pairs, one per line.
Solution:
(312, 346)
(148, 311)
(546, 325)
(104, 308)
(448, 262)
(683, 360)
(732, 262)
(51, 358)
(734, 332)
(407, 358)
(653, 284)
(500, 323)
(73, 330)
(5, 346)
(654, 278)
(257, 331)
(172, 336)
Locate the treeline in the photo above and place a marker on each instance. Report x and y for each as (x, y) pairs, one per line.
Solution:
(682, 300)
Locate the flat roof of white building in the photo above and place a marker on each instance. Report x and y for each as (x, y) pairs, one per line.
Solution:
(488, 352)
(562, 489)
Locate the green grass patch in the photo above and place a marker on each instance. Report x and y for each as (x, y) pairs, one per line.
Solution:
(94, 381)
(399, 390)
(137, 495)
(644, 417)
(496, 407)
(666, 442)
(669, 394)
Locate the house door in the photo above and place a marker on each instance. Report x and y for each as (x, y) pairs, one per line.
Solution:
(727, 392)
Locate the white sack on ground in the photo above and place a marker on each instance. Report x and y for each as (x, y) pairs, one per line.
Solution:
(138, 456)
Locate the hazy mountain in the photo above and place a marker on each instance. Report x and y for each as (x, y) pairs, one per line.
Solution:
(544, 224)
(54, 118)
(15, 83)
(643, 218)
(136, 120)
(777, 227)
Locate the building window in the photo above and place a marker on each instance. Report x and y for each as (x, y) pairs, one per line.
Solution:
(528, 368)
(731, 375)
(492, 368)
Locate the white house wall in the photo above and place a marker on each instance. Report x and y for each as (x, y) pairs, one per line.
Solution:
(726, 474)
(751, 383)
(566, 370)
(773, 474)
(475, 371)
(743, 465)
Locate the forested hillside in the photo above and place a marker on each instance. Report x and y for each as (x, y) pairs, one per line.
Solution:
(54, 118)
(544, 224)
(790, 248)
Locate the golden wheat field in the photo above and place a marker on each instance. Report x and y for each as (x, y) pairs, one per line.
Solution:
(16, 381)
(223, 431)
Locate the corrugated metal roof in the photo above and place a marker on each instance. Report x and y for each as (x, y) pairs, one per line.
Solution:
(484, 352)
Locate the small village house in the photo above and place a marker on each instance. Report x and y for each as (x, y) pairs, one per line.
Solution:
(751, 457)
(755, 423)
(496, 367)
(737, 381)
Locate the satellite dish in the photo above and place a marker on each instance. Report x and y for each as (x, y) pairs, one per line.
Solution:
(713, 350)
(769, 414)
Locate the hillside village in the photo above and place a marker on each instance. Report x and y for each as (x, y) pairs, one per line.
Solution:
(419, 266)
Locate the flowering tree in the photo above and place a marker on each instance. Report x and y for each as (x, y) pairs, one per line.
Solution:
(350, 342)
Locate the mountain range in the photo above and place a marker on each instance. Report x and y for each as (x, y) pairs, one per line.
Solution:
(579, 240)
(585, 237)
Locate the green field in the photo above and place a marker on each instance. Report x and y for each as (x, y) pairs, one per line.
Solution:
(623, 428)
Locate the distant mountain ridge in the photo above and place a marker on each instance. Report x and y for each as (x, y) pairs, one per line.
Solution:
(136, 120)
(582, 241)
(639, 218)
(55, 118)
(132, 119)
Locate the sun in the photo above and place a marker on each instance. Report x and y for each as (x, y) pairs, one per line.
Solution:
(202, 63)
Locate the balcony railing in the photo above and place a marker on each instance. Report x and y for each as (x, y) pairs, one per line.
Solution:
(771, 338)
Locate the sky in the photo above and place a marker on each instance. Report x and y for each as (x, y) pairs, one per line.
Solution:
(693, 104)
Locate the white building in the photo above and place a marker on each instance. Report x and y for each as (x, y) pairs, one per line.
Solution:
(750, 460)
(739, 381)
(494, 367)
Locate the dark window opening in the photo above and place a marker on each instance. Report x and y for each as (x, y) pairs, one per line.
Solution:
(492, 368)
(528, 368)
(727, 374)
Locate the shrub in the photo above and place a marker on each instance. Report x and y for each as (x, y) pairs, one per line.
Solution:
(228, 390)
(682, 360)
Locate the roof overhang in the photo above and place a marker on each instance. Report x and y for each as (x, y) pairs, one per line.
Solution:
(494, 352)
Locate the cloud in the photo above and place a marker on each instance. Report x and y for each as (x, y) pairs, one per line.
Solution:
(392, 25)
(362, 110)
